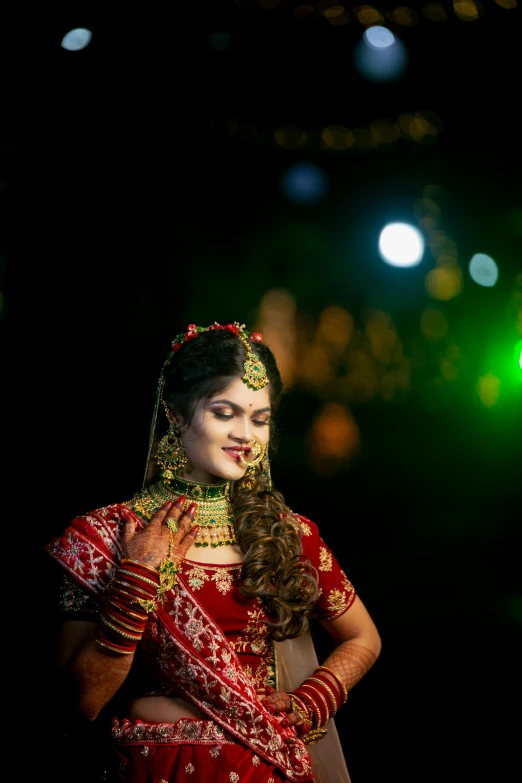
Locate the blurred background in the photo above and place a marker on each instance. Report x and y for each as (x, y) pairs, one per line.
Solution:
(346, 180)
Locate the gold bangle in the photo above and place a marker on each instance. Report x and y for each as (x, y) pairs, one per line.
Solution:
(313, 736)
(143, 565)
(330, 691)
(298, 705)
(141, 578)
(344, 689)
(132, 614)
(113, 649)
(130, 637)
(306, 684)
(109, 614)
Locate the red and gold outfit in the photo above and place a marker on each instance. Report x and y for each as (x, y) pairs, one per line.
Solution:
(207, 643)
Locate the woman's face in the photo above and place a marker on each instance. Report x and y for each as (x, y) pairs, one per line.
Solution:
(221, 428)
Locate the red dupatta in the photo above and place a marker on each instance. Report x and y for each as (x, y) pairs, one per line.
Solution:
(189, 648)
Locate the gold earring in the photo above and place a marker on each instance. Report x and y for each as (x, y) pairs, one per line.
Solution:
(170, 455)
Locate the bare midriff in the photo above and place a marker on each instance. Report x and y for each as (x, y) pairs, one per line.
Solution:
(163, 709)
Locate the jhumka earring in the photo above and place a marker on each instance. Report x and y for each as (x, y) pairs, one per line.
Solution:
(170, 455)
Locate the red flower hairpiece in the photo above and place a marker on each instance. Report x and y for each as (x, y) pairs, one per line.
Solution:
(255, 374)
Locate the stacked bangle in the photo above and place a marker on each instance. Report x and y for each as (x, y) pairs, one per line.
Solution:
(130, 596)
(343, 689)
(322, 695)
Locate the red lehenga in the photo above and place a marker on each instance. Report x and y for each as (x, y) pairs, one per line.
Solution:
(210, 645)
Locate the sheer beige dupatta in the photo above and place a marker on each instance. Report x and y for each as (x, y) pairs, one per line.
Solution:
(296, 659)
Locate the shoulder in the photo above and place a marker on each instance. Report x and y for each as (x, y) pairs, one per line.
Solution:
(90, 547)
(304, 526)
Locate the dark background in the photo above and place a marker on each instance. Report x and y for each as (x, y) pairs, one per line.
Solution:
(140, 192)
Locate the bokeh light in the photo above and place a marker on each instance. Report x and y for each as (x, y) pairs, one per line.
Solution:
(433, 324)
(483, 270)
(379, 56)
(76, 39)
(401, 244)
(304, 183)
(488, 389)
(333, 439)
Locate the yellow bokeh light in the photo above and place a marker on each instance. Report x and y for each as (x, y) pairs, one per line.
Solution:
(404, 15)
(488, 389)
(276, 322)
(333, 439)
(336, 327)
(466, 10)
(443, 283)
(336, 15)
(507, 3)
(337, 137)
(433, 324)
(384, 131)
(368, 15)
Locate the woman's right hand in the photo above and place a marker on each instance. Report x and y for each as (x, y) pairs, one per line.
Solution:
(151, 545)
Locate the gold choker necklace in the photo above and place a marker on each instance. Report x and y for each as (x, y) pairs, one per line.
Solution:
(213, 514)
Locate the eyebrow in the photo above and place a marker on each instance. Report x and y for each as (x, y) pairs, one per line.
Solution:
(237, 407)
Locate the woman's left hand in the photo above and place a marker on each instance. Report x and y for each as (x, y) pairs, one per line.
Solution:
(279, 701)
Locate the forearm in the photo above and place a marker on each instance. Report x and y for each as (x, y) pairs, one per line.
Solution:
(350, 661)
(320, 695)
(97, 675)
(102, 663)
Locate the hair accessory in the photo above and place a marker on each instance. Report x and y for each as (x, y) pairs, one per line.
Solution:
(255, 373)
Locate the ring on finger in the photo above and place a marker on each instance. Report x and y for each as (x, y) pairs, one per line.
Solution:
(172, 524)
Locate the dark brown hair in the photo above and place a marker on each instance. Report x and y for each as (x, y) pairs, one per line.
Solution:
(274, 569)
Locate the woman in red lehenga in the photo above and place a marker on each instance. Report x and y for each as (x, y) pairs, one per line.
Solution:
(186, 609)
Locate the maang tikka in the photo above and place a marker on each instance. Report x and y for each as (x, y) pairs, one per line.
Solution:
(170, 455)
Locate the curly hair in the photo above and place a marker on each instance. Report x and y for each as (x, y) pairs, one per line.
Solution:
(274, 569)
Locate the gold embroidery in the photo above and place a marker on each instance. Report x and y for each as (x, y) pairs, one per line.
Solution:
(197, 577)
(326, 559)
(336, 600)
(234, 777)
(307, 530)
(189, 769)
(223, 581)
(339, 600)
(214, 752)
(257, 640)
(223, 577)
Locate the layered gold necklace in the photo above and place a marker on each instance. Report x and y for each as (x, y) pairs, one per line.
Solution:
(213, 514)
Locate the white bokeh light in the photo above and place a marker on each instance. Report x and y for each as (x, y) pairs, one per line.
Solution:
(401, 244)
(76, 39)
(379, 56)
(483, 270)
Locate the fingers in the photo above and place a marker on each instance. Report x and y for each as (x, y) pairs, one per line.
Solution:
(129, 529)
(170, 509)
(277, 702)
(184, 521)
